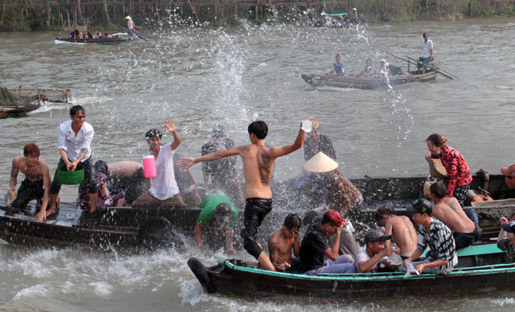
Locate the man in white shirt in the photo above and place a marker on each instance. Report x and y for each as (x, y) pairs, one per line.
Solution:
(163, 191)
(74, 143)
(427, 54)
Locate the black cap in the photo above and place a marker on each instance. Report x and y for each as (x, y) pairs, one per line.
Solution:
(509, 227)
(421, 205)
(424, 34)
(376, 236)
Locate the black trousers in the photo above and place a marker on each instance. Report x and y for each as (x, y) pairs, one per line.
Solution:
(255, 211)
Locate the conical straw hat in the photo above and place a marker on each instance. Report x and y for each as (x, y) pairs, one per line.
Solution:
(128, 17)
(320, 163)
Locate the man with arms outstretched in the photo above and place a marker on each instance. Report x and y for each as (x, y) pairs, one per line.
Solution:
(258, 166)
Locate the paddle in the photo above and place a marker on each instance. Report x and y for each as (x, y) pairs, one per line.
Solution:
(448, 75)
(125, 29)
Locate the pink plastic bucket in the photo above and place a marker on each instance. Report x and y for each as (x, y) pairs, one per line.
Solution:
(149, 167)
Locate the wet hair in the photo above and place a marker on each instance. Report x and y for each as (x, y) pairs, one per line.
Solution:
(31, 150)
(332, 217)
(383, 211)
(439, 189)
(152, 134)
(259, 128)
(101, 167)
(436, 139)
(222, 210)
(292, 221)
(77, 108)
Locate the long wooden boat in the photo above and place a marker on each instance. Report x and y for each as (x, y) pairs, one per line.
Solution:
(114, 227)
(137, 227)
(367, 82)
(115, 39)
(24, 100)
(242, 279)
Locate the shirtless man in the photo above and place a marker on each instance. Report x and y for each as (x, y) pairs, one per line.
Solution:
(400, 228)
(448, 210)
(283, 241)
(258, 166)
(37, 179)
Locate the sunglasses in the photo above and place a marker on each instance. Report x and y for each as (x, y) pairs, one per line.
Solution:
(509, 177)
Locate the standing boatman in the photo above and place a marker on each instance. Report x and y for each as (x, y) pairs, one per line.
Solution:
(427, 54)
(131, 26)
(74, 143)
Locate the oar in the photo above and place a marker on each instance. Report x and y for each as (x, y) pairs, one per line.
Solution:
(125, 29)
(434, 67)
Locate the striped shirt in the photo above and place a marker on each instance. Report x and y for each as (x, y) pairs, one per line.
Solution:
(440, 242)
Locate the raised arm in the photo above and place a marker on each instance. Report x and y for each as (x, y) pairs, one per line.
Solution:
(287, 149)
(185, 162)
(170, 127)
(332, 253)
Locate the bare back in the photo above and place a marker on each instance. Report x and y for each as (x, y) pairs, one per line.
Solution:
(453, 216)
(258, 166)
(124, 169)
(403, 232)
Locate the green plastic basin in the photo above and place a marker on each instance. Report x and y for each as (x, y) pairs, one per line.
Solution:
(70, 177)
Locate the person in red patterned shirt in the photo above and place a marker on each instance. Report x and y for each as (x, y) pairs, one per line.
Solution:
(455, 165)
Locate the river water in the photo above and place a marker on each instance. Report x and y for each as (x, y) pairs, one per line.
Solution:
(199, 77)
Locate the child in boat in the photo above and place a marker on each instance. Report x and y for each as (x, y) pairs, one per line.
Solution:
(507, 244)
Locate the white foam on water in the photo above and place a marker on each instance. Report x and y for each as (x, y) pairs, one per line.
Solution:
(39, 291)
(101, 289)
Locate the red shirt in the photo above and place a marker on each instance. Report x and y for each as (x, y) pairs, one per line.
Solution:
(456, 167)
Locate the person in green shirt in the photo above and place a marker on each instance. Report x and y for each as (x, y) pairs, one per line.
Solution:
(216, 220)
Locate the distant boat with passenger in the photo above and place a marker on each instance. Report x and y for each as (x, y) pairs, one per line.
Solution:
(116, 38)
(370, 82)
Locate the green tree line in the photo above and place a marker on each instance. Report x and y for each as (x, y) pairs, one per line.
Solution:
(65, 14)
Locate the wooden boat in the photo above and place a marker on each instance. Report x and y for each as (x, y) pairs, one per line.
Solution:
(135, 227)
(114, 39)
(367, 82)
(242, 279)
(19, 101)
(113, 227)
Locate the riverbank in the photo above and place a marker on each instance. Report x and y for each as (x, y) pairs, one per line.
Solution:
(19, 15)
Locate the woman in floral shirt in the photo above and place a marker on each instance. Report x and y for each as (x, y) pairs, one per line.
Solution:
(455, 165)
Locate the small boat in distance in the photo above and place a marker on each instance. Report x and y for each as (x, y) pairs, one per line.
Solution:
(19, 101)
(112, 39)
(368, 83)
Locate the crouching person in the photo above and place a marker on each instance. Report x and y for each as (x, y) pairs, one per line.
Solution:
(442, 257)
(315, 246)
(215, 223)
